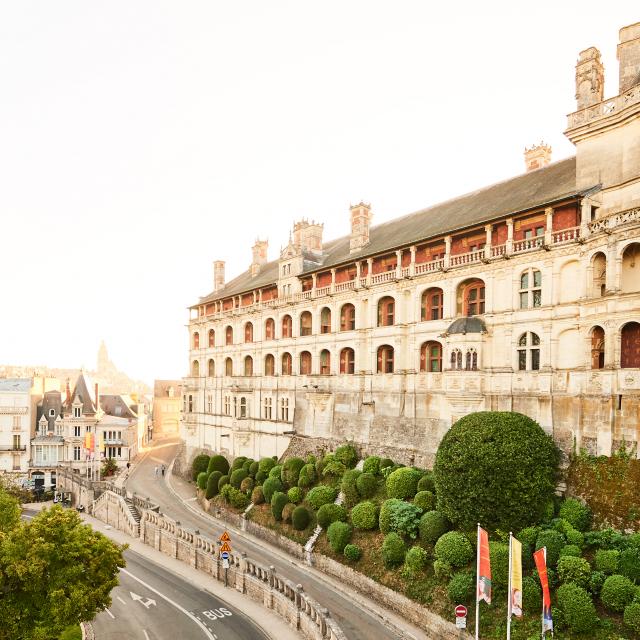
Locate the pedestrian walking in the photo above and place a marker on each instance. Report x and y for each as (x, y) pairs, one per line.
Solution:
(155, 471)
(163, 471)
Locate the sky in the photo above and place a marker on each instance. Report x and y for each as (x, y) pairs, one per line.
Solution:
(141, 140)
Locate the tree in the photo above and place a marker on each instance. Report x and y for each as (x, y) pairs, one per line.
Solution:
(55, 571)
(109, 467)
(9, 513)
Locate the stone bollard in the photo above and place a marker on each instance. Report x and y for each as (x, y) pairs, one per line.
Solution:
(298, 596)
(323, 621)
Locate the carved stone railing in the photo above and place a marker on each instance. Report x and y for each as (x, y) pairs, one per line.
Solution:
(345, 286)
(385, 276)
(471, 257)
(565, 235)
(429, 267)
(613, 220)
(528, 244)
(604, 108)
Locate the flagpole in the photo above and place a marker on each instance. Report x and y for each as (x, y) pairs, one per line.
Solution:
(478, 586)
(509, 589)
(542, 615)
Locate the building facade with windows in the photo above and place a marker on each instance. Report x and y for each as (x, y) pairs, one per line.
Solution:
(16, 417)
(522, 296)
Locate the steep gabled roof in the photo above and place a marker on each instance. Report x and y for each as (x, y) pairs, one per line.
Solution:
(83, 391)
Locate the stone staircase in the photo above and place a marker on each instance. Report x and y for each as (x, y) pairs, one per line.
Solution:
(134, 512)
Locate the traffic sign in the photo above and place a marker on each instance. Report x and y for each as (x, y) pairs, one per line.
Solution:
(225, 537)
(461, 623)
(224, 555)
(461, 611)
(226, 547)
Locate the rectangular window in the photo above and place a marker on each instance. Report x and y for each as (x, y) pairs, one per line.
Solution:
(209, 403)
(267, 408)
(522, 360)
(535, 359)
(76, 431)
(16, 442)
(16, 422)
(227, 406)
(537, 298)
(88, 429)
(524, 302)
(76, 453)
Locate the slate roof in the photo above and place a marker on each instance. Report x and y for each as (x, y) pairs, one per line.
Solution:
(117, 405)
(50, 400)
(16, 385)
(161, 388)
(84, 391)
(533, 189)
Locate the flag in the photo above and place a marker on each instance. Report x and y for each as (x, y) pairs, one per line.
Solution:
(540, 557)
(516, 578)
(89, 442)
(483, 584)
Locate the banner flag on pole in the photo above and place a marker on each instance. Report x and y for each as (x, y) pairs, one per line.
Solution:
(540, 558)
(484, 567)
(516, 578)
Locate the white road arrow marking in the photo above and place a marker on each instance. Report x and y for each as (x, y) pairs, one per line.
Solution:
(141, 600)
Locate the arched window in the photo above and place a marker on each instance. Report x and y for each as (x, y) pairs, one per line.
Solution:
(597, 348)
(269, 365)
(599, 269)
(305, 323)
(431, 304)
(287, 325)
(211, 368)
(529, 352)
(195, 368)
(305, 363)
(325, 320)
(269, 329)
(630, 277)
(630, 346)
(347, 361)
(456, 360)
(385, 359)
(228, 367)
(471, 360)
(248, 332)
(212, 338)
(530, 289)
(325, 362)
(248, 366)
(386, 311)
(196, 340)
(431, 356)
(347, 317)
(471, 297)
(286, 364)
(228, 335)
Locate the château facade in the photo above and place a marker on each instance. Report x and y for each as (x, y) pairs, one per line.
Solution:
(522, 296)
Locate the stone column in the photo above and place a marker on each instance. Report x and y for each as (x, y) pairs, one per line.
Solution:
(488, 229)
(509, 243)
(412, 266)
(585, 218)
(369, 270)
(548, 232)
(358, 276)
(398, 264)
(314, 280)
(333, 281)
(447, 252)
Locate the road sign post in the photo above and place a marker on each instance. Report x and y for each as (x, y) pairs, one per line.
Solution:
(225, 553)
(461, 616)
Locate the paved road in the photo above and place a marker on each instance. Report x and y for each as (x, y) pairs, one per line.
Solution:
(356, 622)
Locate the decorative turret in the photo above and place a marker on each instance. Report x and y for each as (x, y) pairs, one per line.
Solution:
(538, 156)
(218, 275)
(629, 57)
(589, 78)
(308, 236)
(360, 222)
(259, 255)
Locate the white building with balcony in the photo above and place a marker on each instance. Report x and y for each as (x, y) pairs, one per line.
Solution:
(15, 425)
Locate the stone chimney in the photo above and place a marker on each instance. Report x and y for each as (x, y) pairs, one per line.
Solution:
(629, 57)
(589, 78)
(67, 393)
(360, 222)
(538, 156)
(218, 275)
(259, 253)
(308, 236)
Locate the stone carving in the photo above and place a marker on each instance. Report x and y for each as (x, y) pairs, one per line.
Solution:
(589, 78)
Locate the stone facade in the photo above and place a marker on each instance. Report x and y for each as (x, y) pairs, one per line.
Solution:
(524, 296)
(16, 417)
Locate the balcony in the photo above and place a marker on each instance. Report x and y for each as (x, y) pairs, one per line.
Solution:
(610, 222)
(11, 447)
(604, 109)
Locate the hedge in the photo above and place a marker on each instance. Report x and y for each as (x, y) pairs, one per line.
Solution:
(576, 513)
(393, 550)
(499, 555)
(454, 549)
(329, 513)
(629, 564)
(348, 486)
(531, 594)
(347, 454)
(278, 501)
(276, 472)
(339, 534)
(199, 465)
(371, 465)
(403, 483)
(554, 541)
(367, 485)
(257, 496)
(617, 592)
(295, 495)
(606, 560)
(575, 570)
(236, 477)
(461, 588)
(365, 515)
(495, 467)
(416, 559)
(352, 552)
(632, 616)
(266, 464)
(270, 486)
(238, 462)
(291, 471)
(201, 481)
(426, 483)
(246, 486)
(577, 608)
(222, 481)
(322, 494)
(213, 487)
(425, 500)
(432, 525)
(287, 511)
(307, 475)
(218, 463)
(300, 518)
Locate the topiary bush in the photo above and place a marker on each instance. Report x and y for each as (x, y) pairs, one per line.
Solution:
(606, 539)
(287, 511)
(276, 472)
(295, 495)
(461, 588)
(247, 465)
(253, 468)
(218, 463)
(371, 465)
(236, 477)
(399, 516)
(213, 485)
(339, 535)
(432, 525)
(531, 594)
(632, 616)
(278, 501)
(385, 463)
(352, 552)
(495, 467)
(270, 486)
(596, 581)
(403, 483)
(393, 550)
(629, 564)
(320, 495)
(222, 481)
(201, 481)
(237, 498)
(578, 515)
(570, 550)
(367, 485)
(574, 537)
(617, 592)
(300, 518)
(529, 535)
(606, 560)
(426, 483)
(261, 476)
(442, 570)
(329, 513)
(238, 462)
(348, 486)
(291, 471)
(416, 560)
(554, 541)
(307, 476)
(365, 515)
(246, 486)
(265, 465)
(575, 570)
(425, 500)
(499, 555)
(199, 465)
(257, 496)
(454, 549)
(347, 454)
(577, 608)
(334, 469)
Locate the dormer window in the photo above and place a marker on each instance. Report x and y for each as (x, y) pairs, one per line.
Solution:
(286, 269)
(52, 412)
(77, 412)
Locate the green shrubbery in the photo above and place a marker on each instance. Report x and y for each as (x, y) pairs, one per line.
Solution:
(371, 465)
(300, 518)
(606, 560)
(393, 550)
(596, 581)
(554, 541)
(576, 514)
(246, 486)
(426, 483)
(265, 465)
(276, 472)
(291, 471)
(629, 564)
(577, 608)
(403, 483)
(339, 535)
(253, 468)
(454, 549)
(347, 455)
(307, 475)
(236, 477)
(531, 594)
(528, 536)
(352, 552)
(461, 588)
(295, 495)
(287, 511)
(432, 525)
(617, 592)
(270, 486)
(257, 495)
(499, 554)
(222, 481)
(632, 616)
(218, 463)
(365, 515)
(416, 559)
(201, 481)
(329, 513)
(278, 500)
(199, 465)
(238, 463)
(235, 497)
(425, 500)
(575, 570)
(367, 485)
(213, 485)
(570, 550)
(320, 495)
(399, 516)
(348, 486)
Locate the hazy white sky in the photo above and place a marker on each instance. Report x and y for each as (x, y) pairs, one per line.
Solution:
(141, 140)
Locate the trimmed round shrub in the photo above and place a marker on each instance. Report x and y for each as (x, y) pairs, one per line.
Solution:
(334, 469)
(365, 515)
(247, 465)
(221, 481)
(371, 465)
(629, 564)
(352, 552)
(606, 560)
(237, 498)
(295, 495)
(575, 570)
(425, 500)
(270, 486)
(321, 463)
(454, 549)
(399, 516)
(606, 539)
(403, 483)
(201, 481)
(416, 559)
(529, 535)
(576, 514)
(426, 483)
(213, 484)
(574, 537)
(495, 467)
(218, 463)
(634, 540)
(432, 525)
(287, 511)
(307, 476)
(253, 468)
(596, 580)
(442, 570)
(617, 592)
(246, 486)
(291, 471)
(347, 454)
(577, 608)
(632, 616)
(393, 550)
(257, 496)
(300, 518)
(367, 485)
(570, 550)
(348, 486)
(265, 465)
(276, 472)
(278, 501)
(499, 555)
(461, 588)
(531, 594)
(311, 459)
(199, 465)
(236, 477)
(554, 541)
(385, 463)
(261, 476)
(329, 513)
(339, 535)
(238, 462)
(322, 494)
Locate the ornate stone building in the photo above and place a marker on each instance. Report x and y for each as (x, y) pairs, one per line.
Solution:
(521, 296)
